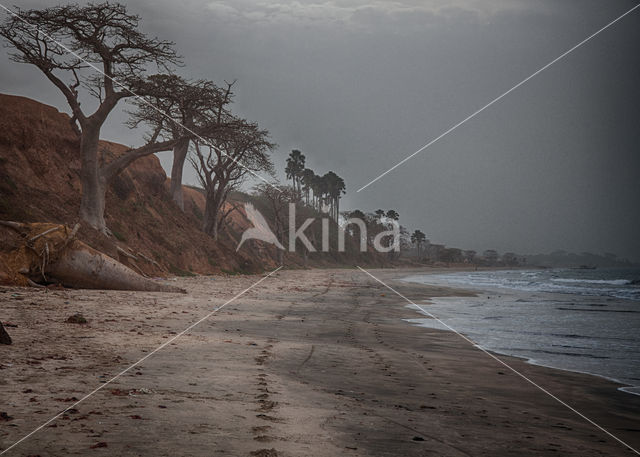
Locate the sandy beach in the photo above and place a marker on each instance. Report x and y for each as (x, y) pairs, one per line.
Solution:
(307, 363)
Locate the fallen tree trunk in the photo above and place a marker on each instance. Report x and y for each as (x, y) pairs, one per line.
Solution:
(83, 267)
(50, 253)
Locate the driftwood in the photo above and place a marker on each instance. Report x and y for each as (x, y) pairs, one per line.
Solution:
(53, 254)
(83, 267)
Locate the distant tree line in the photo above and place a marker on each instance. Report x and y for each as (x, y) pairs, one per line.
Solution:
(421, 248)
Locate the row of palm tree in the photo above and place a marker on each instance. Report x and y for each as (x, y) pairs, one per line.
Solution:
(323, 192)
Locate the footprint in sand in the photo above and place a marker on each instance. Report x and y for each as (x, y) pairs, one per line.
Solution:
(261, 428)
(265, 453)
(268, 418)
(266, 405)
(263, 438)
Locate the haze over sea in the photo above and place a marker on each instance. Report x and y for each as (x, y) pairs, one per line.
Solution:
(579, 320)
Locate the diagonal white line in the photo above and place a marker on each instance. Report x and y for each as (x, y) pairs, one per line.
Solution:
(123, 87)
(500, 361)
(169, 341)
(474, 114)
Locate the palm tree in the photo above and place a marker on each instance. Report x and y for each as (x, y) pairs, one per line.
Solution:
(307, 179)
(315, 188)
(294, 168)
(391, 214)
(379, 213)
(335, 188)
(417, 238)
(320, 190)
(357, 214)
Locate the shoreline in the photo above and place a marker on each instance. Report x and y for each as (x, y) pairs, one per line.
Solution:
(309, 363)
(517, 293)
(619, 385)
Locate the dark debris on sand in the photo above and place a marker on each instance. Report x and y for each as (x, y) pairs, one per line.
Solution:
(4, 336)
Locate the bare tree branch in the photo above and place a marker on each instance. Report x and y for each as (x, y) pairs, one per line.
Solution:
(64, 42)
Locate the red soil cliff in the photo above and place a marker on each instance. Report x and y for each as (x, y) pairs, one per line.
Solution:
(39, 182)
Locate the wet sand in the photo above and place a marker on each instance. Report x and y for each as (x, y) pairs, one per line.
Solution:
(309, 363)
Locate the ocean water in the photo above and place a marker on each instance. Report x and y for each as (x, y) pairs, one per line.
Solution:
(579, 320)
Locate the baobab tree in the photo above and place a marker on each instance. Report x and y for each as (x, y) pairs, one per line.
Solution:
(224, 161)
(278, 197)
(109, 55)
(185, 110)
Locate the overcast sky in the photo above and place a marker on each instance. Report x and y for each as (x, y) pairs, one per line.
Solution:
(358, 86)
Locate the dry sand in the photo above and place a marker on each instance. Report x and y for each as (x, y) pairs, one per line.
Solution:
(309, 363)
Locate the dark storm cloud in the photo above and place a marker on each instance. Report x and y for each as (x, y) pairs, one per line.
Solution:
(357, 86)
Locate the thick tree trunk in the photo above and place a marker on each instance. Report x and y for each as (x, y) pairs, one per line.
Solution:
(209, 219)
(94, 185)
(179, 157)
(212, 213)
(95, 177)
(214, 230)
(221, 220)
(83, 267)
